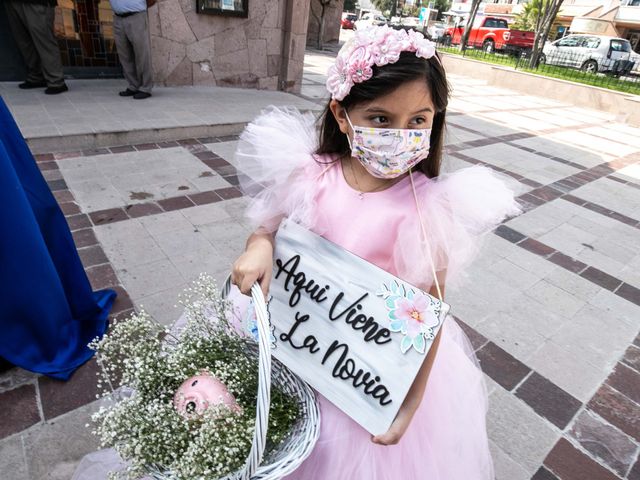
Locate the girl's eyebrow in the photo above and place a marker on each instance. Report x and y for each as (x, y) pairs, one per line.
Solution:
(382, 110)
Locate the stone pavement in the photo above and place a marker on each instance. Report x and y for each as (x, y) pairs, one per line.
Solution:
(552, 304)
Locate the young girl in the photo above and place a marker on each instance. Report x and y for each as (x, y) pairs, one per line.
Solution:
(373, 186)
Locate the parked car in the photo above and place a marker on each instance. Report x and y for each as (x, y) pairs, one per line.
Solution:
(369, 19)
(590, 53)
(406, 23)
(635, 58)
(491, 34)
(348, 19)
(436, 30)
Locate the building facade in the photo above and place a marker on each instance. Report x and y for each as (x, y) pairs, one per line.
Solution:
(262, 48)
(604, 17)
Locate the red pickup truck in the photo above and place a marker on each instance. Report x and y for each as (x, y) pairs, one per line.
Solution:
(491, 34)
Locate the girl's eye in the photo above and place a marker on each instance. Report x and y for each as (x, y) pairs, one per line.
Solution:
(419, 120)
(379, 119)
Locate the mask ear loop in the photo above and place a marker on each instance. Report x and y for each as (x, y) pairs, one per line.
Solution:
(352, 129)
(424, 235)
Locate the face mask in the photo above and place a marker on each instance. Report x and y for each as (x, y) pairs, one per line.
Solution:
(388, 152)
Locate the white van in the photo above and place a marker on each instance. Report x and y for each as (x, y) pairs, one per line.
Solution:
(589, 53)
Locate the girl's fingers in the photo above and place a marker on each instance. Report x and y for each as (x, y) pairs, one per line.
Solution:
(386, 439)
(245, 285)
(265, 281)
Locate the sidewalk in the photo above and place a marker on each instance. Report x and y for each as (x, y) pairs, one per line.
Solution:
(92, 115)
(552, 305)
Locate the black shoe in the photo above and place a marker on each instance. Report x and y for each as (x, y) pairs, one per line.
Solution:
(29, 85)
(128, 93)
(5, 365)
(56, 90)
(141, 95)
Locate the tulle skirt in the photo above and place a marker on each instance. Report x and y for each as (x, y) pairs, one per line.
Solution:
(446, 440)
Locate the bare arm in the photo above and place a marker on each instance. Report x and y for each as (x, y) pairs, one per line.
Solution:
(416, 392)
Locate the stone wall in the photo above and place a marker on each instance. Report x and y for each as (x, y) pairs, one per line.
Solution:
(265, 50)
(333, 16)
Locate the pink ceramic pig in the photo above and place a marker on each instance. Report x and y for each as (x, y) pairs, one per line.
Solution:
(200, 392)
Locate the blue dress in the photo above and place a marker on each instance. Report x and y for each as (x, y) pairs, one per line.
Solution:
(48, 312)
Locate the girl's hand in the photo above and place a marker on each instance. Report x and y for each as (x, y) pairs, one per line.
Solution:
(412, 400)
(396, 430)
(255, 264)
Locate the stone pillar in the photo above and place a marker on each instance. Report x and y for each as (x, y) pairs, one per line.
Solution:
(295, 38)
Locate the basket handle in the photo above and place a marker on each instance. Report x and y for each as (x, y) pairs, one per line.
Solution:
(264, 379)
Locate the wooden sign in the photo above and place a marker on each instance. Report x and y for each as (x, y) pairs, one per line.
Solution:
(354, 332)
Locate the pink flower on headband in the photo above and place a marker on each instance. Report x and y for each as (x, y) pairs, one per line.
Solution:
(423, 47)
(359, 71)
(339, 80)
(359, 65)
(372, 46)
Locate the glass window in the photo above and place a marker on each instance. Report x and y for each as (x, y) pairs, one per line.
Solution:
(571, 41)
(490, 23)
(501, 24)
(620, 46)
(591, 42)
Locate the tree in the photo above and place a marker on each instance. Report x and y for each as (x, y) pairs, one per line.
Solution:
(526, 20)
(470, 19)
(386, 6)
(442, 6)
(349, 6)
(544, 19)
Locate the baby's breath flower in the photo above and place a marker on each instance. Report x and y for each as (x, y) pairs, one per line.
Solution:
(142, 366)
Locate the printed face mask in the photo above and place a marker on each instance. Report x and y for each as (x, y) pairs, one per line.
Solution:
(388, 152)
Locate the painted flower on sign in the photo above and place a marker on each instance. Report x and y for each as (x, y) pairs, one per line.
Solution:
(413, 314)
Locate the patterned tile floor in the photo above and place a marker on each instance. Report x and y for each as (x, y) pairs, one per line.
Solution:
(558, 342)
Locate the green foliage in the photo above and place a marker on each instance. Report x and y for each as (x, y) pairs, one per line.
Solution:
(385, 6)
(442, 6)
(349, 6)
(410, 11)
(526, 20)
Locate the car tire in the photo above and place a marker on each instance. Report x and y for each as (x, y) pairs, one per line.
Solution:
(542, 59)
(590, 66)
(489, 46)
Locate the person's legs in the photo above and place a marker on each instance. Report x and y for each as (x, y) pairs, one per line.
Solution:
(125, 52)
(17, 22)
(138, 34)
(39, 22)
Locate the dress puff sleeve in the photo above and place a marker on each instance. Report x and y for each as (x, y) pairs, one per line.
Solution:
(457, 209)
(275, 155)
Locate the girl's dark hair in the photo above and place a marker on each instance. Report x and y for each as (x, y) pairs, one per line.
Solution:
(385, 80)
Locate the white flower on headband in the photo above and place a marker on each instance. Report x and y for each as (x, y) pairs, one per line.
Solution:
(372, 46)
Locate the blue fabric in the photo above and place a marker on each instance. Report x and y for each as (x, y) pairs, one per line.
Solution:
(127, 6)
(48, 312)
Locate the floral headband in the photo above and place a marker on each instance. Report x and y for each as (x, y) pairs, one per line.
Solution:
(373, 46)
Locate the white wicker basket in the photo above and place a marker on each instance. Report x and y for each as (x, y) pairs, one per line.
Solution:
(291, 452)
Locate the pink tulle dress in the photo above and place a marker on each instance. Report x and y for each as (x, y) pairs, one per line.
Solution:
(447, 439)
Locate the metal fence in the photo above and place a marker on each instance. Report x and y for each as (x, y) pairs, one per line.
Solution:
(587, 68)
